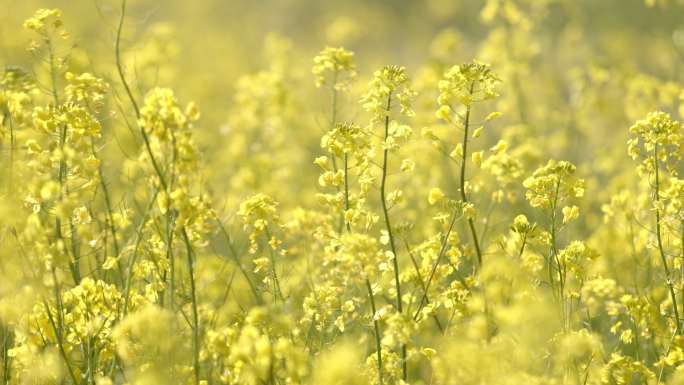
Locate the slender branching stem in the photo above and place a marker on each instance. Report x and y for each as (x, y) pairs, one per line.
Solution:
(333, 122)
(522, 246)
(385, 211)
(681, 264)
(110, 215)
(433, 270)
(333, 113)
(462, 180)
(236, 259)
(122, 77)
(388, 226)
(422, 284)
(560, 267)
(13, 144)
(346, 190)
(376, 326)
(369, 288)
(464, 198)
(172, 262)
(659, 238)
(277, 291)
(165, 187)
(58, 325)
(117, 53)
(193, 299)
(63, 172)
(134, 257)
(53, 70)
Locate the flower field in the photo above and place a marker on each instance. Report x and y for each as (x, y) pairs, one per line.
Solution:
(285, 192)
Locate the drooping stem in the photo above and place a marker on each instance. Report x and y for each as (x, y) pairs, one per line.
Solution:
(122, 77)
(117, 54)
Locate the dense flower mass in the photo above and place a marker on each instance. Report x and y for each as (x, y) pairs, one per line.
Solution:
(409, 192)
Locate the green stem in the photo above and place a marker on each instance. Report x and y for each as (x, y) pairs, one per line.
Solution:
(195, 313)
(110, 214)
(333, 122)
(554, 252)
(346, 189)
(388, 226)
(13, 143)
(58, 327)
(661, 249)
(119, 68)
(277, 291)
(681, 267)
(376, 326)
(172, 261)
(464, 197)
(440, 256)
(422, 284)
(236, 259)
(63, 171)
(333, 114)
(53, 73)
(134, 258)
(522, 247)
(6, 343)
